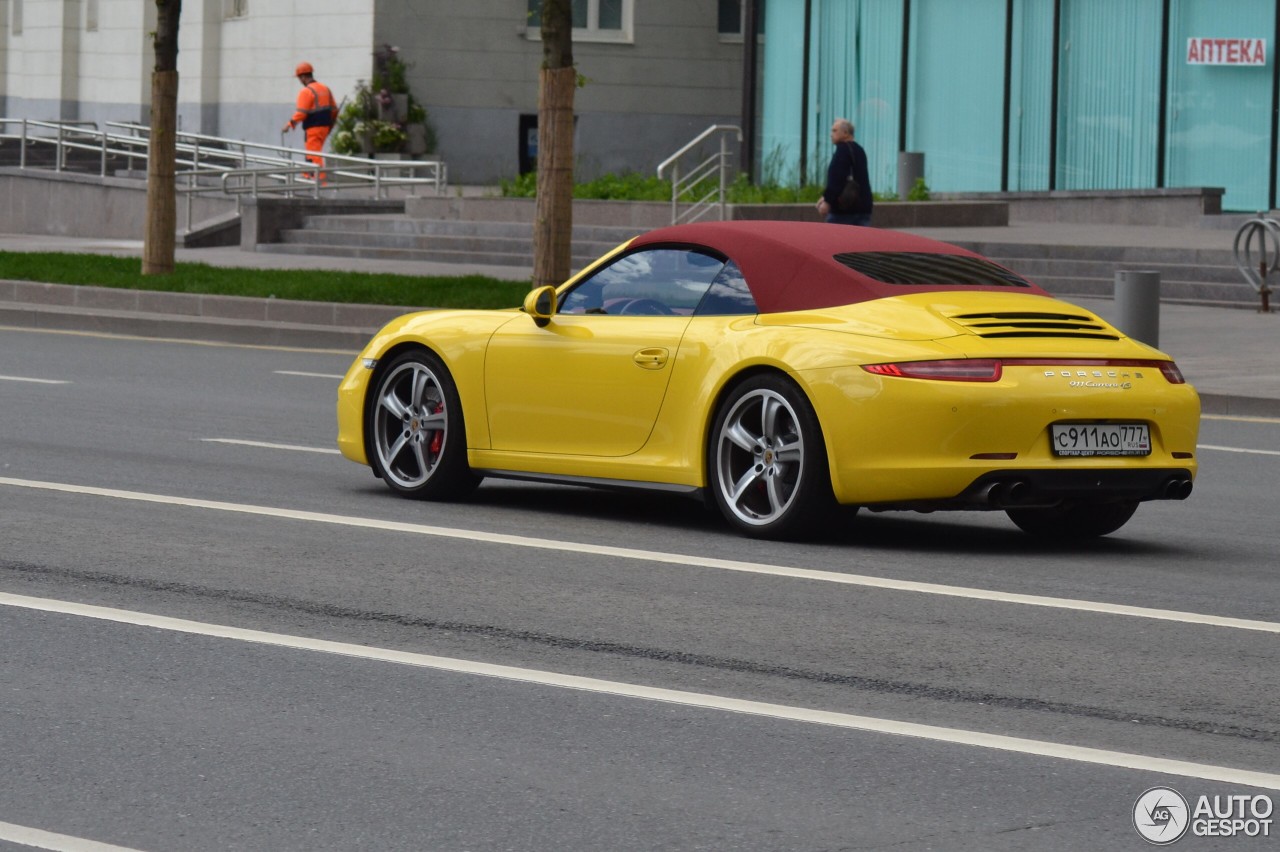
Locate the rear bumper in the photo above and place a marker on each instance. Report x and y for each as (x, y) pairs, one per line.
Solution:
(1044, 487)
(900, 441)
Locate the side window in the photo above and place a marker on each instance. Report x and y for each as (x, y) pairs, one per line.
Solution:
(593, 20)
(728, 295)
(653, 282)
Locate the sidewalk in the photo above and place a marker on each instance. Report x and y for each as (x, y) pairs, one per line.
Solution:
(1231, 355)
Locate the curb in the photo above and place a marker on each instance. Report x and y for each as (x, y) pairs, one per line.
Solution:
(251, 321)
(1238, 406)
(195, 316)
(185, 328)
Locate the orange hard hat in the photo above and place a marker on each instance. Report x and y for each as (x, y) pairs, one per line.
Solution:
(303, 68)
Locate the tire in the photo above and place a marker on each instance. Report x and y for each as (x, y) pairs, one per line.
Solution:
(416, 437)
(1074, 520)
(766, 461)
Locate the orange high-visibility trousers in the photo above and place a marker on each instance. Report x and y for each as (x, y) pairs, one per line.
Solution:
(315, 144)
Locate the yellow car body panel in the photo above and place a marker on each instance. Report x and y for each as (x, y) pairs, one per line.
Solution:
(630, 399)
(559, 401)
(457, 337)
(583, 385)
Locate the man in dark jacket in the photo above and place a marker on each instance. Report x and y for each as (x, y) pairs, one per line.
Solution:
(849, 158)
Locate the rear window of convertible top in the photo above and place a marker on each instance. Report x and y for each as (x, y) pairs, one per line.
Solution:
(930, 269)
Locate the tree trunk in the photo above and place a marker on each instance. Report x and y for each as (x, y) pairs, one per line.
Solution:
(162, 217)
(162, 208)
(553, 218)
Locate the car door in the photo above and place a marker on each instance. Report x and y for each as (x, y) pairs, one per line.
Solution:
(591, 381)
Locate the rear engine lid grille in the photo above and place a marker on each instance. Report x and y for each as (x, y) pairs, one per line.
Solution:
(1035, 324)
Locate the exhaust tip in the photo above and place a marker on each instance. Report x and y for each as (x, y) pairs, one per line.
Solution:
(1002, 495)
(1016, 492)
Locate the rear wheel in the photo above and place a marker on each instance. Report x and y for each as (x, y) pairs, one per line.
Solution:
(1074, 520)
(417, 441)
(766, 460)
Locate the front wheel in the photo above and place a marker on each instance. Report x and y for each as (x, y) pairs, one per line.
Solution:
(1074, 520)
(417, 441)
(766, 460)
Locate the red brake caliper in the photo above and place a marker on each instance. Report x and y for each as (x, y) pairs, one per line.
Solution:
(437, 440)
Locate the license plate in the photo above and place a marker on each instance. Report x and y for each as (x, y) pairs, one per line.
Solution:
(1105, 439)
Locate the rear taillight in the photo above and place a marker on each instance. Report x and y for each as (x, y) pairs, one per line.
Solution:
(1172, 373)
(958, 370)
(990, 369)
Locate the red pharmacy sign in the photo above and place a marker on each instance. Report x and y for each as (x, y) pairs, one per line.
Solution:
(1226, 51)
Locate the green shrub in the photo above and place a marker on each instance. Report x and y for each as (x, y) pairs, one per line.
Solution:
(633, 186)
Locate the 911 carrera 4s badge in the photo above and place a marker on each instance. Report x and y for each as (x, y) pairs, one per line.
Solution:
(1098, 379)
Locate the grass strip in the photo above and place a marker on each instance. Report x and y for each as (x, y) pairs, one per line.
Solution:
(315, 285)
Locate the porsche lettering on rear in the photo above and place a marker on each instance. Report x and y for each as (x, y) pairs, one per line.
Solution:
(1111, 374)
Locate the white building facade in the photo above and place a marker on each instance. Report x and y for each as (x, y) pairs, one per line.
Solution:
(655, 72)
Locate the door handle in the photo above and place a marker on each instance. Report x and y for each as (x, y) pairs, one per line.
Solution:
(653, 358)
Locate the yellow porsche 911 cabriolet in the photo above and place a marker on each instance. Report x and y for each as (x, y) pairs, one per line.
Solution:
(777, 369)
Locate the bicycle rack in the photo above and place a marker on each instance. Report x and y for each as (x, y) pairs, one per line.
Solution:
(1260, 233)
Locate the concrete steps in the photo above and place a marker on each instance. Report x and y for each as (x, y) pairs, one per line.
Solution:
(397, 237)
(1186, 275)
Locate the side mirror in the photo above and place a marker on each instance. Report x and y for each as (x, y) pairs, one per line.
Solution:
(541, 305)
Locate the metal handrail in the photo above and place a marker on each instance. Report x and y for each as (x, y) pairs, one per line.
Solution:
(66, 136)
(254, 168)
(716, 163)
(212, 149)
(1262, 231)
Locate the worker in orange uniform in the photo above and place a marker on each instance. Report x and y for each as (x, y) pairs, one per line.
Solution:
(316, 112)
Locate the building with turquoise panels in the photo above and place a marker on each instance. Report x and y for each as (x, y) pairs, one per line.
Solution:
(1029, 95)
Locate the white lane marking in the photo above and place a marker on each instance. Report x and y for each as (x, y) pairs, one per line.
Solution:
(38, 839)
(660, 557)
(307, 375)
(957, 736)
(35, 381)
(214, 343)
(294, 447)
(1239, 418)
(1239, 450)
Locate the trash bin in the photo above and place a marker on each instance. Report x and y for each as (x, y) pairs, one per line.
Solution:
(1137, 296)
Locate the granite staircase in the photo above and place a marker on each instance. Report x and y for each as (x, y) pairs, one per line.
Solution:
(1201, 276)
(399, 237)
(1191, 275)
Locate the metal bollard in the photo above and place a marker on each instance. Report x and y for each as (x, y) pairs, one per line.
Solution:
(910, 168)
(1138, 304)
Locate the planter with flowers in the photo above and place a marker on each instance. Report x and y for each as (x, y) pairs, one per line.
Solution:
(382, 117)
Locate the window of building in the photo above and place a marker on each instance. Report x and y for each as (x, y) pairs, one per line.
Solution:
(730, 19)
(236, 8)
(593, 20)
(91, 16)
(15, 23)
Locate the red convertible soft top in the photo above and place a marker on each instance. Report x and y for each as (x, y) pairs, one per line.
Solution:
(796, 266)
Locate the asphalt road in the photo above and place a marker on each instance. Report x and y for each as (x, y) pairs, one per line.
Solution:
(325, 679)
